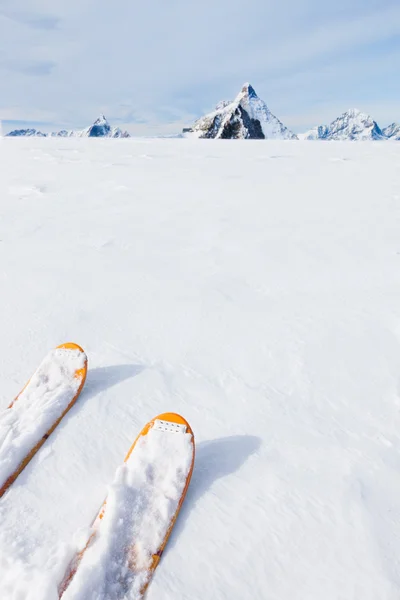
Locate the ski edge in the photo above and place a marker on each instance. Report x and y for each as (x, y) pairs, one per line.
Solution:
(80, 374)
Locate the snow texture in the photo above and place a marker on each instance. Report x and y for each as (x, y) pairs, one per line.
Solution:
(141, 503)
(253, 288)
(247, 117)
(40, 404)
(351, 125)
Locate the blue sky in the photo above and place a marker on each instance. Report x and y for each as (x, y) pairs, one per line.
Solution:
(153, 67)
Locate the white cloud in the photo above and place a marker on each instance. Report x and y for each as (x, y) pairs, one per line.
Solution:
(160, 62)
(17, 113)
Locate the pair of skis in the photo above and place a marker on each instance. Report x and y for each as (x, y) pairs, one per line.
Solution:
(130, 532)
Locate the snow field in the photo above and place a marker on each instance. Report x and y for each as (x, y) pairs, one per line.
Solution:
(252, 287)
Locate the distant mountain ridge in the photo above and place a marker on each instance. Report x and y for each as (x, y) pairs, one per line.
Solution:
(246, 117)
(100, 129)
(392, 132)
(26, 133)
(351, 125)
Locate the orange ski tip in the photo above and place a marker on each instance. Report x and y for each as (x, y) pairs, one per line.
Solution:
(169, 416)
(80, 373)
(72, 346)
(173, 418)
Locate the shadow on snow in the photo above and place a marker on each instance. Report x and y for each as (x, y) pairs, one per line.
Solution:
(214, 459)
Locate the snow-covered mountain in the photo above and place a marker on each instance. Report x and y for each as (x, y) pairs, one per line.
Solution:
(100, 128)
(26, 133)
(247, 117)
(392, 132)
(319, 132)
(351, 125)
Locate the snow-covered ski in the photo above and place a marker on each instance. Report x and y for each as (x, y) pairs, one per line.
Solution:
(37, 410)
(131, 530)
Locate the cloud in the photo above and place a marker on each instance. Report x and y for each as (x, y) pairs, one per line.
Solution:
(41, 22)
(44, 23)
(159, 63)
(30, 67)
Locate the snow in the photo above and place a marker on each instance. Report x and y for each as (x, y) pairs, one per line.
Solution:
(252, 287)
(44, 399)
(140, 506)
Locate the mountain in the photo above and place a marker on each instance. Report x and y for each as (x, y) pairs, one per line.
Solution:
(351, 125)
(317, 133)
(100, 128)
(63, 133)
(26, 132)
(392, 132)
(247, 117)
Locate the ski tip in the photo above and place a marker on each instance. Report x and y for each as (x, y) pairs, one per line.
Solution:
(170, 422)
(80, 373)
(71, 346)
(175, 420)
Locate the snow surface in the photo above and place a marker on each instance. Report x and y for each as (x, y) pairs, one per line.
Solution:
(46, 396)
(253, 288)
(140, 506)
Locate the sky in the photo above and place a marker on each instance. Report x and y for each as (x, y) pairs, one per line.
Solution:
(153, 67)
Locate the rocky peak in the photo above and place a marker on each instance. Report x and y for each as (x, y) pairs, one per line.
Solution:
(351, 125)
(247, 117)
(392, 131)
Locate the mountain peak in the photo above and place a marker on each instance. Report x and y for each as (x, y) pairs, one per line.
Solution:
(247, 117)
(26, 133)
(353, 112)
(101, 120)
(100, 128)
(351, 125)
(392, 132)
(248, 90)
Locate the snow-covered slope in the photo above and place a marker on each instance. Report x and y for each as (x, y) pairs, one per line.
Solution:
(247, 117)
(392, 131)
(100, 128)
(351, 125)
(254, 288)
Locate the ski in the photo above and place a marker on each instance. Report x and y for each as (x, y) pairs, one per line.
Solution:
(37, 410)
(130, 532)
